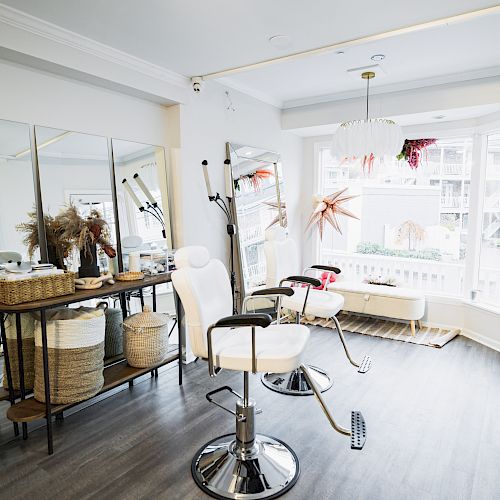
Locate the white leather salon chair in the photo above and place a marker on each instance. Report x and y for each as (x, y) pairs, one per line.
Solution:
(282, 266)
(243, 465)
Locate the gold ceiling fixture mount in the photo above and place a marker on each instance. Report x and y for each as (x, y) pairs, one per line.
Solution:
(368, 75)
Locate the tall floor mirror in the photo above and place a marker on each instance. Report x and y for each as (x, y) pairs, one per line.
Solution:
(142, 203)
(17, 200)
(258, 204)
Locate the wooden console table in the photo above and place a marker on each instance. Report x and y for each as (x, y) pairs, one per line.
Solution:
(116, 370)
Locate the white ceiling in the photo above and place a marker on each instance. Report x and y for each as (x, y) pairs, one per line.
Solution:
(412, 60)
(200, 37)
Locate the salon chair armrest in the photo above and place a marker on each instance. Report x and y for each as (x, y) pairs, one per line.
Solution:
(321, 267)
(257, 319)
(253, 320)
(306, 280)
(268, 293)
(274, 291)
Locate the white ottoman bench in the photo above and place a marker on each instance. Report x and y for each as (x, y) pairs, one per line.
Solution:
(381, 300)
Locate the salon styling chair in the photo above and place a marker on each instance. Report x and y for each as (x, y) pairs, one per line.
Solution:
(282, 265)
(244, 464)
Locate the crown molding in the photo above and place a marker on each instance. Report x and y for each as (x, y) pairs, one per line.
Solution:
(454, 78)
(33, 25)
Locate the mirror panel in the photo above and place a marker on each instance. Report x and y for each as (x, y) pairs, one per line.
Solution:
(259, 203)
(17, 199)
(74, 169)
(143, 205)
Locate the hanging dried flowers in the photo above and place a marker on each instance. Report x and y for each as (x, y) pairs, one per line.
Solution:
(412, 149)
(328, 209)
(253, 180)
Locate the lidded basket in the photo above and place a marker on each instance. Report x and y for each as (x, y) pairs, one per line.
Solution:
(145, 338)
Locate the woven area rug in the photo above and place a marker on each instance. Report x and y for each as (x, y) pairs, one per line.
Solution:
(387, 329)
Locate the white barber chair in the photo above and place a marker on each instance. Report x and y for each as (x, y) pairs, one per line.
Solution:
(282, 265)
(243, 465)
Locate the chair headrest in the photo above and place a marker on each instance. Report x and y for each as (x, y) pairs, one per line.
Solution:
(275, 233)
(192, 256)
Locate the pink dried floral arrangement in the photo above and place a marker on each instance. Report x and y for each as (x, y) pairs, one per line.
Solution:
(412, 150)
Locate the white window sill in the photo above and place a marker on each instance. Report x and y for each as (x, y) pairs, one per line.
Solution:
(483, 307)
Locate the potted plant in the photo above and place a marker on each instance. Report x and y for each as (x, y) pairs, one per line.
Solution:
(85, 233)
(58, 247)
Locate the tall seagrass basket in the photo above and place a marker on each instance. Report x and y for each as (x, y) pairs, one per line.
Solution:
(75, 339)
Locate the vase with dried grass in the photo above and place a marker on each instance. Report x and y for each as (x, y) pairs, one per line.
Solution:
(85, 233)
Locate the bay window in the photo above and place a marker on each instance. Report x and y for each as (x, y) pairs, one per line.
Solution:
(413, 225)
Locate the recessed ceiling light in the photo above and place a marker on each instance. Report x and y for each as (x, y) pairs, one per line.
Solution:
(340, 52)
(377, 57)
(438, 117)
(280, 41)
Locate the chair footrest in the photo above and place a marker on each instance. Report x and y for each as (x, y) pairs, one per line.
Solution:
(365, 365)
(358, 430)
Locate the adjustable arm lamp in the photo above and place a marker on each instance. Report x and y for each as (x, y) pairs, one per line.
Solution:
(152, 210)
(230, 227)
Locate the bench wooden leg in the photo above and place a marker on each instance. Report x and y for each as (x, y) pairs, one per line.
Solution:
(412, 326)
(419, 324)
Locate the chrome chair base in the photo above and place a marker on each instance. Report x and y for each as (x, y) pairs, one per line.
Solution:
(268, 471)
(295, 384)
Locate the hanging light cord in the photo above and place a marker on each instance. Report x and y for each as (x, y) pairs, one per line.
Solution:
(367, 94)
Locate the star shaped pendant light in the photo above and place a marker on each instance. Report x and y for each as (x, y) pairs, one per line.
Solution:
(328, 209)
(367, 139)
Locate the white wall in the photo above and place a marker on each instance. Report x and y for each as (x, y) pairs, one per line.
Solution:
(32, 96)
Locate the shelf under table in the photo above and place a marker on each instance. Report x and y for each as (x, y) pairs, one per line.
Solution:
(29, 410)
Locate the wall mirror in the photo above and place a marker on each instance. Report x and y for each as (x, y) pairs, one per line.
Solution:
(74, 169)
(259, 203)
(142, 202)
(17, 198)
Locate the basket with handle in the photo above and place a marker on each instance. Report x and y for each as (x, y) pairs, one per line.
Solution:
(145, 338)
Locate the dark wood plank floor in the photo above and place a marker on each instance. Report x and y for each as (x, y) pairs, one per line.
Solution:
(432, 419)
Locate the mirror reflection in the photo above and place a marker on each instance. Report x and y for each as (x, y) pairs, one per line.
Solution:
(259, 204)
(76, 188)
(142, 198)
(17, 199)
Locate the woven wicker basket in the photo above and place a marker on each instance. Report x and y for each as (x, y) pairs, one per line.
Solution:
(145, 338)
(28, 336)
(113, 341)
(75, 340)
(39, 288)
